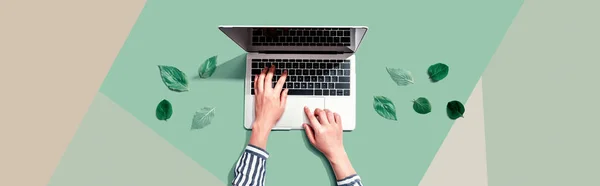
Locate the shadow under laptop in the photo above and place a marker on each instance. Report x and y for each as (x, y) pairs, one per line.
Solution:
(234, 69)
(310, 147)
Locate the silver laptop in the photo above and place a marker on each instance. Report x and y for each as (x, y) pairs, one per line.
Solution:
(320, 62)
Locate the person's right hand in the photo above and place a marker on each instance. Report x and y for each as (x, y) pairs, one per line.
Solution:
(325, 132)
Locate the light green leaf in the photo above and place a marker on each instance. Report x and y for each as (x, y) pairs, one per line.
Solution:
(422, 105)
(203, 117)
(455, 109)
(438, 71)
(400, 76)
(384, 107)
(173, 78)
(164, 110)
(208, 67)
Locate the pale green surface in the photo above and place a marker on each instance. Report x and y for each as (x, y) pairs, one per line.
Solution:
(541, 96)
(411, 35)
(113, 148)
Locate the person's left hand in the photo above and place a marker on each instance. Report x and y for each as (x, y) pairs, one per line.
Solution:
(269, 101)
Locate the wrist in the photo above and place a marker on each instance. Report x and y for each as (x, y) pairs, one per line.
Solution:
(338, 157)
(259, 136)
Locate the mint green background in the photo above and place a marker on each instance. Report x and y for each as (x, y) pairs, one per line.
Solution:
(410, 35)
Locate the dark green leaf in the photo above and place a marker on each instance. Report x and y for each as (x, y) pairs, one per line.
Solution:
(384, 107)
(438, 71)
(208, 67)
(203, 117)
(400, 76)
(164, 110)
(455, 109)
(173, 78)
(422, 105)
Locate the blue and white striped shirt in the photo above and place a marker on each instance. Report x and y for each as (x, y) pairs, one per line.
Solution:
(250, 169)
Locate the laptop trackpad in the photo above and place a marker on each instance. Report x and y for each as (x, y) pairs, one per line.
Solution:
(294, 115)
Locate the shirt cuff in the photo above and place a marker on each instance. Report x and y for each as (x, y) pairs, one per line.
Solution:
(348, 180)
(257, 151)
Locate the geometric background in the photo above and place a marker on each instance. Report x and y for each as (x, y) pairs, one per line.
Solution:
(537, 94)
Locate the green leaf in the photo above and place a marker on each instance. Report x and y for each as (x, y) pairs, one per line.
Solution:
(164, 110)
(400, 76)
(203, 117)
(208, 67)
(455, 109)
(421, 105)
(173, 78)
(438, 71)
(384, 107)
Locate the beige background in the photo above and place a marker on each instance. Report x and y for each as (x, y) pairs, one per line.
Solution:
(540, 96)
(72, 43)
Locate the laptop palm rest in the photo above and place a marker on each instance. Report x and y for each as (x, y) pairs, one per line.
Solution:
(294, 115)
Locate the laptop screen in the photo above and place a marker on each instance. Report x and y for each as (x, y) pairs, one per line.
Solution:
(295, 38)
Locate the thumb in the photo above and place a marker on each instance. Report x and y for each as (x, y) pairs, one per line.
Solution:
(309, 133)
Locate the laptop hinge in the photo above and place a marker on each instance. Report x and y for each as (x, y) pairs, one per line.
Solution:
(301, 52)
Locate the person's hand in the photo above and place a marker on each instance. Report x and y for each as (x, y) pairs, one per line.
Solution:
(269, 105)
(325, 132)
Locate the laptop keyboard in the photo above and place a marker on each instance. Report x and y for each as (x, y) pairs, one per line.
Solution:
(301, 37)
(319, 77)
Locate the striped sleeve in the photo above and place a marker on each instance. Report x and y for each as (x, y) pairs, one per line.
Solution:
(250, 167)
(352, 180)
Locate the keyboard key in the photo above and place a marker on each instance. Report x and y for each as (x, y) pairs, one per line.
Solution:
(327, 78)
(334, 79)
(289, 85)
(340, 92)
(336, 66)
(319, 72)
(317, 85)
(292, 72)
(346, 72)
(300, 78)
(345, 39)
(332, 92)
(256, 71)
(288, 65)
(294, 65)
(318, 92)
(331, 85)
(343, 79)
(340, 72)
(296, 85)
(313, 79)
(305, 72)
(293, 78)
(306, 78)
(254, 65)
(321, 79)
(326, 92)
(346, 92)
(312, 72)
(252, 92)
(268, 64)
(278, 72)
(332, 72)
(345, 65)
(303, 85)
(300, 92)
(309, 65)
(326, 72)
(287, 79)
(310, 85)
(284, 85)
(302, 65)
(322, 65)
(342, 85)
(324, 85)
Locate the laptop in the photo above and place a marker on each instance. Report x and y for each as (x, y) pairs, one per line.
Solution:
(321, 68)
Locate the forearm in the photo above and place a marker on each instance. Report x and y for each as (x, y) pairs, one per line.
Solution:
(259, 137)
(343, 170)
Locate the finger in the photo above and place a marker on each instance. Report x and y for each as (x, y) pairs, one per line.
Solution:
(311, 117)
(310, 134)
(330, 117)
(338, 118)
(261, 81)
(280, 82)
(284, 95)
(269, 79)
(322, 116)
(255, 84)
